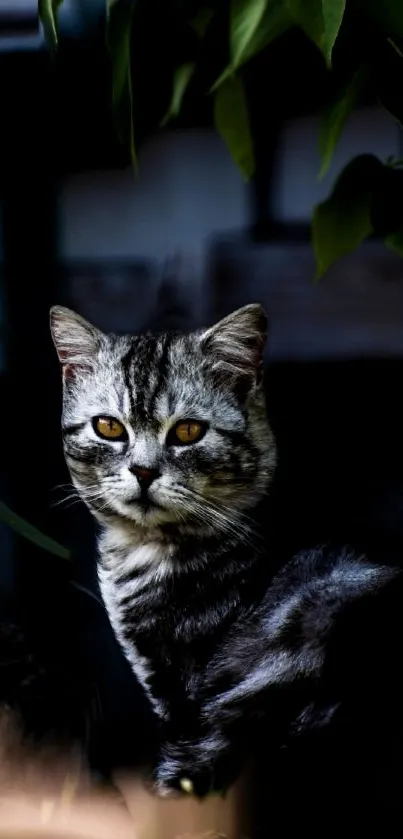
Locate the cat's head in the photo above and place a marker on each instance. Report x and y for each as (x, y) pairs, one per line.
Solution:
(165, 429)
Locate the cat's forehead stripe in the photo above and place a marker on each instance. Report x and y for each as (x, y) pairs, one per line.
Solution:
(145, 366)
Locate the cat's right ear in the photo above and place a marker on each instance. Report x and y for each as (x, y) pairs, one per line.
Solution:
(77, 342)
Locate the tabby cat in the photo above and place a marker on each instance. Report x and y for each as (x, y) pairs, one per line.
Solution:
(168, 443)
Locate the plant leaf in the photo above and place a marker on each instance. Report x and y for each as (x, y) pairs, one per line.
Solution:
(320, 20)
(182, 77)
(335, 116)
(395, 242)
(48, 15)
(343, 221)
(28, 531)
(246, 16)
(119, 29)
(232, 121)
(274, 22)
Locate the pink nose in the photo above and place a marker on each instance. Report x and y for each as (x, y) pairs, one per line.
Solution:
(144, 476)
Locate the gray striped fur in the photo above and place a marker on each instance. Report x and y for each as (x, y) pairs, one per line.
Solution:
(185, 580)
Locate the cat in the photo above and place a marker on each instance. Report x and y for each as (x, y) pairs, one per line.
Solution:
(168, 443)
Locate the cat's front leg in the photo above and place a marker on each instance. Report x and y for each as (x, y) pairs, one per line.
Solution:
(199, 767)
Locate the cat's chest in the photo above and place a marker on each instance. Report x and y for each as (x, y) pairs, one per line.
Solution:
(152, 619)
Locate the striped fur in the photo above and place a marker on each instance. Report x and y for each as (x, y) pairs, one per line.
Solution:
(184, 575)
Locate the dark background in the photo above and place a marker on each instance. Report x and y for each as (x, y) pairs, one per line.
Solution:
(78, 228)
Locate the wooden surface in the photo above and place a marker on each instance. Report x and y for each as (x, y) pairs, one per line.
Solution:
(29, 812)
(47, 794)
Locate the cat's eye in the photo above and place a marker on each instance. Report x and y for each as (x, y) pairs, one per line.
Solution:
(109, 428)
(186, 432)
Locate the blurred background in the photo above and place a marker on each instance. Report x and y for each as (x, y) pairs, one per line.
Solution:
(185, 238)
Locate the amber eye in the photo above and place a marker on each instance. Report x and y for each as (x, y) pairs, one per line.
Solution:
(109, 428)
(187, 431)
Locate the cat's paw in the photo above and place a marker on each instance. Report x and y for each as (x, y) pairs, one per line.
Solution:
(178, 772)
(194, 768)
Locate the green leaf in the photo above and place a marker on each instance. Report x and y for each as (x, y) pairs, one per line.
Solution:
(232, 121)
(119, 29)
(343, 221)
(395, 242)
(48, 15)
(182, 77)
(335, 116)
(28, 531)
(274, 22)
(246, 15)
(320, 20)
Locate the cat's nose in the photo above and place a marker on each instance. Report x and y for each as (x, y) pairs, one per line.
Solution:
(144, 476)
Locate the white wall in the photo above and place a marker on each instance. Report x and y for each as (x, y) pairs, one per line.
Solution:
(296, 187)
(187, 189)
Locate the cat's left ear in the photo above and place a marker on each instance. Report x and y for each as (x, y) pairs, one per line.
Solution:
(236, 346)
(77, 342)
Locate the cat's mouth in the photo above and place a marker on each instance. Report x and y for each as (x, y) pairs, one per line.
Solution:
(146, 512)
(144, 503)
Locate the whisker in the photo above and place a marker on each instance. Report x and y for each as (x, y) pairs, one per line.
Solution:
(74, 496)
(223, 519)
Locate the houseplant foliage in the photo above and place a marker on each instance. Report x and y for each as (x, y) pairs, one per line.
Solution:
(209, 46)
(206, 48)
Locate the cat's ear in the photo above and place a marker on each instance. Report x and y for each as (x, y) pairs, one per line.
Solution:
(236, 345)
(77, 342)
